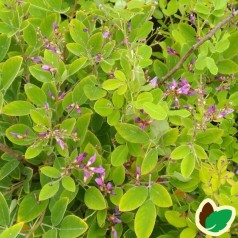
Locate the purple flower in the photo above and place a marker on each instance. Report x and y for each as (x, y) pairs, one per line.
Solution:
(91, 160)
(87, 175)
(55, 27)
(97, 170)
(47, 106)
(115, 220)
(47, 67)
(99, 182)
(36, 59)
(224, 112)
(81, 157)
(137, 119)
(62, 95)
(42, 134)
(154, 81)
(114, 232)
(172, 51)
(192, 18)
(16, 135)
(70, 107)
(173, 85)
(78, 109)
(51, 95)
(106, 34)
(211, 109)
(60, 143)
(52, 48)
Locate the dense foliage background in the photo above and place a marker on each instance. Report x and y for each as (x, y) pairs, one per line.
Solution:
(100, 135)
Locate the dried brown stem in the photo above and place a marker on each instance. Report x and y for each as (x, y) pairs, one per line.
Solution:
(196, 45)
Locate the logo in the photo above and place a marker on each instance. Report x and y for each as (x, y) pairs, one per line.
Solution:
(213, 220)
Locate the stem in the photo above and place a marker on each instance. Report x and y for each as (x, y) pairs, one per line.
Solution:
(36, 225)
(74, 9)
(196, 45)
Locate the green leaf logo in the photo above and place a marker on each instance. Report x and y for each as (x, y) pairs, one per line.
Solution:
(213, 220)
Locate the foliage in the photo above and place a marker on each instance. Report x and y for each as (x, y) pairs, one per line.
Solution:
(96, 140)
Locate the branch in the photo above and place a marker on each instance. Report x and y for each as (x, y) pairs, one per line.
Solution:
(15, 154)
(196, 45)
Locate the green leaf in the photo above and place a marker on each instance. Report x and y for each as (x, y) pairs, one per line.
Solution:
(35, 94)
(188, 165)
(77, 32)
(218, 220)
(7, 168)
(76, 65)
(188, 232)
(233, 47)
(58, 210)
(103, 107)
(101, 217)
(170, 136)
(36, 208)
(49, 190)
(5, 44)
(133, 198)
(182, 113)
(68, 125)
(18, 108)
(30, 36)
(82, 126)
(144, 30)
(145, 97)
(40, 74)
(13, 231)
(50, 172)
(79, 96)
(145, 220)
(227, 67)
(95, 43)
(93, 194)
(33, 151)
(72, 226)
(68, 183)
(200, 152)
(149, 162)
(211, 65)
(160, 196)
(93, 92)
(20, 129)
(219, 4)
(10, 70)
(132, 133)
(111, 84)
(119, 155)
(201, 8)
(175, 219)
(4, 211)
(50, 233)
(180, 152)
(155, 111)
(211, 135)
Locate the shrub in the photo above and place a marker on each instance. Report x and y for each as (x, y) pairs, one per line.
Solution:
(117, 118)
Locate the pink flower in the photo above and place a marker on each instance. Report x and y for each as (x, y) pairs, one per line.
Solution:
(154, 81)
(60, 143)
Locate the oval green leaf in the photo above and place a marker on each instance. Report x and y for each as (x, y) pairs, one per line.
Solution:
(132, 133)
(145, 220)
(133, 198)
(160, 196)
(72, 226)
(94, 199)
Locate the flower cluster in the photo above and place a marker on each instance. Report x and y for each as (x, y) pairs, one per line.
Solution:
(143, 123)
(213, 113)
(89, 171)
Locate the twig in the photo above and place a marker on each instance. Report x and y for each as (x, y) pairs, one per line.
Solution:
(15, 154)
(36, 225)
(195, 46)
(74, 9)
